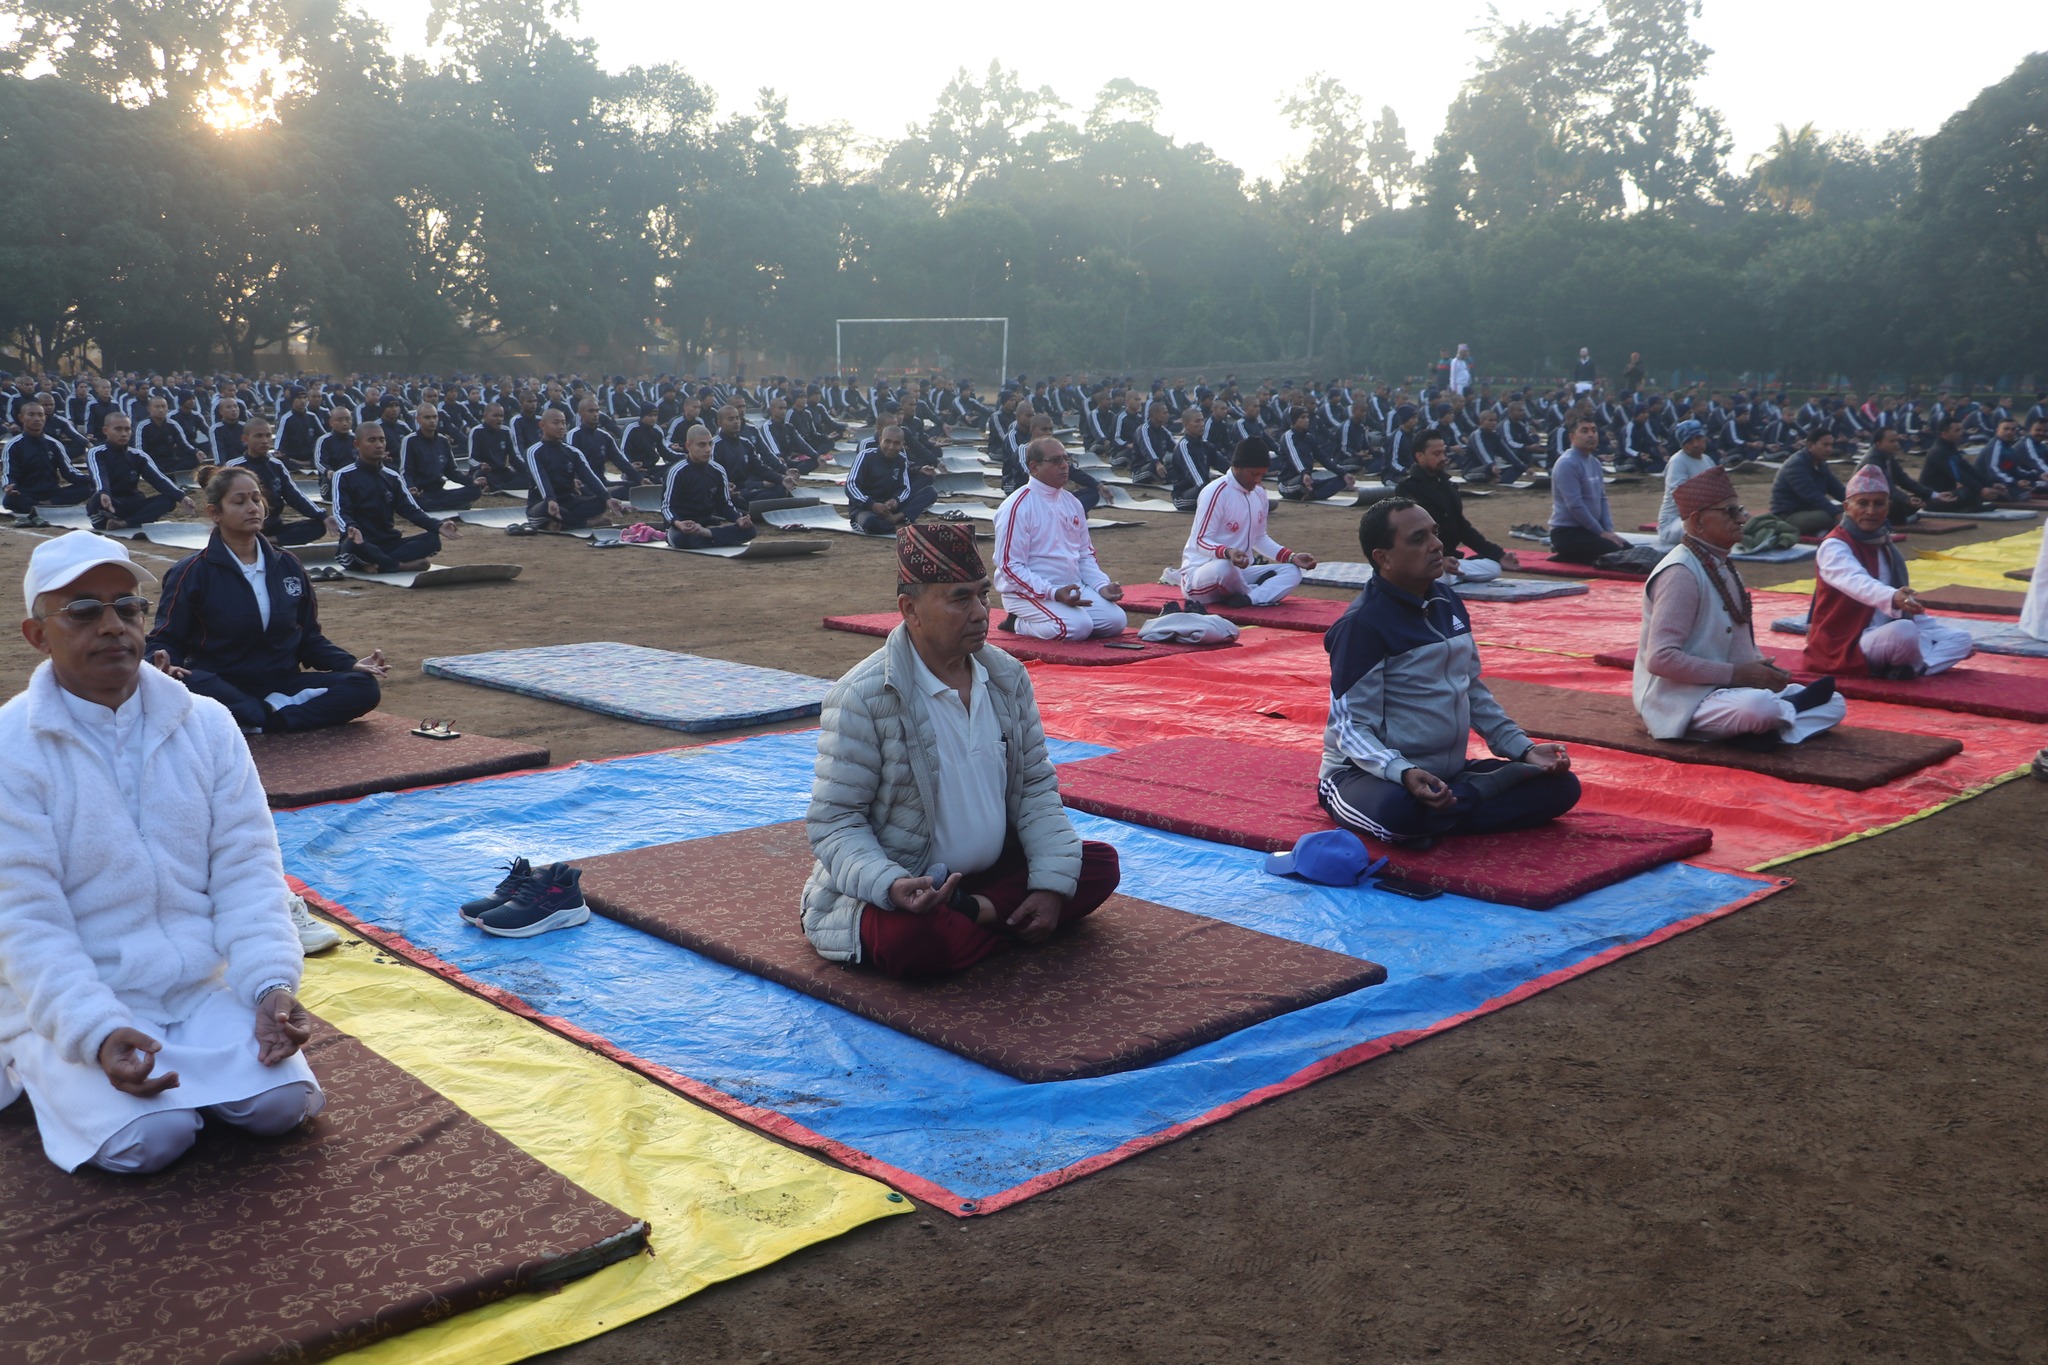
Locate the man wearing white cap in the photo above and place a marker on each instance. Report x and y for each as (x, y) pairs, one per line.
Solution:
(1865, 616)
(148, 966)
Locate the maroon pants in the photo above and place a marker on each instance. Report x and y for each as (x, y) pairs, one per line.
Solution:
(898, 943)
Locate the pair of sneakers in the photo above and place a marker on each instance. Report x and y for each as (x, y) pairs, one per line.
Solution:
(530, 901)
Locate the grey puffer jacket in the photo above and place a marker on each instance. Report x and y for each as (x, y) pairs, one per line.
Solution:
(876, 776)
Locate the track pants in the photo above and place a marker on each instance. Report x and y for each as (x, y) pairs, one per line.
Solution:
(1385, 810)
(901, 944)
(341, 698)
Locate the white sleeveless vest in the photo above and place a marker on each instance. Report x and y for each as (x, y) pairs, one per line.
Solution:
(1666, 706)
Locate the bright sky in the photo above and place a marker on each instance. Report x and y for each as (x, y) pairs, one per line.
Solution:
(1220, 73)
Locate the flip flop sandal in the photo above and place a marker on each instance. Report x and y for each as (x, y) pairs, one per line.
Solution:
(436, 729)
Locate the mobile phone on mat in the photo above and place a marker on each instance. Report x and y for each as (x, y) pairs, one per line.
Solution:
(1401, 886)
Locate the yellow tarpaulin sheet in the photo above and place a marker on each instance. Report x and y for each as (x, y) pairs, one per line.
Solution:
(1982, 565)
(721, 1199)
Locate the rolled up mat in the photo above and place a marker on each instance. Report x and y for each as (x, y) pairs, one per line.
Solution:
(1253, 796)
(1125, 649)
(1127, 986)
(1847, 756)
(391, 1209)
(2011, 696)
(377, 753)
(1537, 562)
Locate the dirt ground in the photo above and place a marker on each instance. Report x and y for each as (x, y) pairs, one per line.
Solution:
(1808, 1132)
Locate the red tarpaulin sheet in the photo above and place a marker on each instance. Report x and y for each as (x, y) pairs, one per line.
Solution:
(1279, 695)
(1085, 653)
(1293, 613)
(1264, 798)
(2009, 695)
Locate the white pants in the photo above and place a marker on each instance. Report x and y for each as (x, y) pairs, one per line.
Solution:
(154, 1141)
(82, 1119)
(1730, 711)
(1045, 619)
(1264, 584)
(1918, 643)
(1473, 570)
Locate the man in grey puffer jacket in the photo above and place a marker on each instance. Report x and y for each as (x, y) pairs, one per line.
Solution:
(935, 812)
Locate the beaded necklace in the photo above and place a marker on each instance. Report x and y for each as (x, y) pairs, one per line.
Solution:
(1715, 561)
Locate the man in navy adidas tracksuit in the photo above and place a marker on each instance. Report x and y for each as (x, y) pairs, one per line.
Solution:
(118, 474)
(279, 492)
(367, 498)
(1404, 695)
(36, 471)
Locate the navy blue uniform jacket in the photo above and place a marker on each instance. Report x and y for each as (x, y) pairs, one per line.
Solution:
(207, 618)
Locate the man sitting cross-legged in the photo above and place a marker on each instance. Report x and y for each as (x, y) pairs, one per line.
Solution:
(883, 492)
(1045, 561)
(697, 505)
(366, 499)
(935, 813)
(150, 961)
(1429, 486)
(1216, 565)
(1865, 615)
(1405, 695)
(1699, 674)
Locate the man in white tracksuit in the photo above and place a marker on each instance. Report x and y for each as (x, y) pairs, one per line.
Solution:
(1230, 530)
(1045, 563)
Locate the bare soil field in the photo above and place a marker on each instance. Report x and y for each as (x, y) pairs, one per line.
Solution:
(1811, 1131)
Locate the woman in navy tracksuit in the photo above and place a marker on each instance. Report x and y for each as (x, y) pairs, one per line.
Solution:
(238, 623)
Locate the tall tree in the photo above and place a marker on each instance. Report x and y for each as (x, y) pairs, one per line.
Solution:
(1668, 144)
(1389, 164)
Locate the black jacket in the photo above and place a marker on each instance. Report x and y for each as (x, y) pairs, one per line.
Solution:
(699, 493)
(279, 492)
(208, 619)
(1437, 495)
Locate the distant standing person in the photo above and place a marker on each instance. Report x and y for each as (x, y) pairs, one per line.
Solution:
(1584, 374)
(1632, 377)
(1461, 370)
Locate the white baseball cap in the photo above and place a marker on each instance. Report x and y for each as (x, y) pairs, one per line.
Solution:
(63, 560)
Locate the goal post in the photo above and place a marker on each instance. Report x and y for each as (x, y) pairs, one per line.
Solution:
(839, 326)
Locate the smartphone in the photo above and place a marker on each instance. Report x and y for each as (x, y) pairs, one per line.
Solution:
(1125, 644)
(1401, 886)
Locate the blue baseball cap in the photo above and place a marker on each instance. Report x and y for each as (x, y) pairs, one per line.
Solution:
(1335, 857)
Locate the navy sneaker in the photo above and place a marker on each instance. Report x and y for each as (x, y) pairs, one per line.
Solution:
(552, 900)
(518, 873)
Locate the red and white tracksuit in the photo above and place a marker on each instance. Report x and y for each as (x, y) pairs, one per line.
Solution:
(1042, 546)
(1229, 516)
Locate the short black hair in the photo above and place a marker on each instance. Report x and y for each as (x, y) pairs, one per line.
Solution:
(1253, 452)
(1376, 527)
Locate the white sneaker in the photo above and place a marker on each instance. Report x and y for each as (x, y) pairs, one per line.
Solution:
(314, 935)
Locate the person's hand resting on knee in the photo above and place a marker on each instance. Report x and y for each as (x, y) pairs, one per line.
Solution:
(1036, 917)
(128, 1056)
(282, 1026)
(1429, 791)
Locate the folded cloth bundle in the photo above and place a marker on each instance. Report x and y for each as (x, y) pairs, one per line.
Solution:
(1187, 628)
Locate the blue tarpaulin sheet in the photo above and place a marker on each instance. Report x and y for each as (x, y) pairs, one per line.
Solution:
(968, 1137)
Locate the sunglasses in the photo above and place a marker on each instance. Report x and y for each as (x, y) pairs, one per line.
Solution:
(87, 611)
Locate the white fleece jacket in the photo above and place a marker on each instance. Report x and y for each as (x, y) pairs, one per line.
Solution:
(104, 925)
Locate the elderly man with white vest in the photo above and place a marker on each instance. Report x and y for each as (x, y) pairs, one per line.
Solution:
(935, 812)
(1698, 672)
(148, 964)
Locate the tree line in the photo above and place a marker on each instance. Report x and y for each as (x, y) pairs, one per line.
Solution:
(191, 181)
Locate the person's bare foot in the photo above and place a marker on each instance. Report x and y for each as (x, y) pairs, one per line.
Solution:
(415, 565)
(116, 524)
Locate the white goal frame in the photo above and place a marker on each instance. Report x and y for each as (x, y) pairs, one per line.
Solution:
(839, 339)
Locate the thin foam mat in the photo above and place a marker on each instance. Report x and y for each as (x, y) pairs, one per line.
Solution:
(377, 753)
(1130, 984)
(1265, 798)
(633, 682)
(392, 1209)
